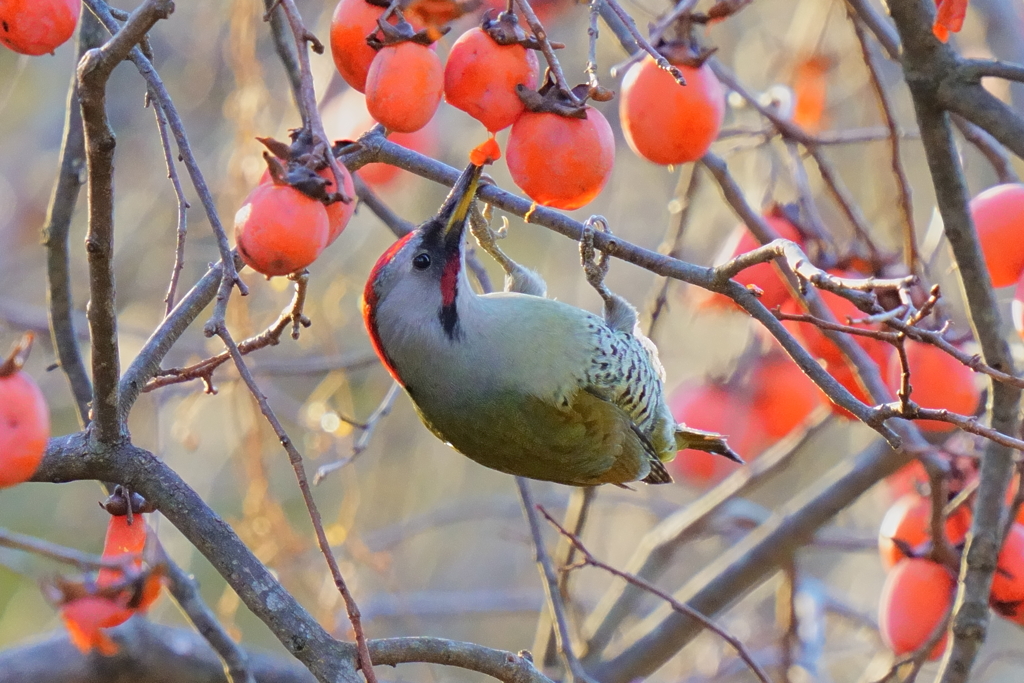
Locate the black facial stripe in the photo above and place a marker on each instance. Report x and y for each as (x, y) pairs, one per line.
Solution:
(449, 317)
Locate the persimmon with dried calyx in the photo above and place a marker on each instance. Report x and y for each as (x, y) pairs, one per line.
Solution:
(998, 215)
(37, 27)
(915, 600)
(296, 166)
(339, 213)
(279, 230)
(937, 380)
(481, 73)
(24, 418)
(666, 122)
(125, 541)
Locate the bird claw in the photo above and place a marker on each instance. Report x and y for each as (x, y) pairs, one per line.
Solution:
(595, 267)
(517, 278)
(619, 314)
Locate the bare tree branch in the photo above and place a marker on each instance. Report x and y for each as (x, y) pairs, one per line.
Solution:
(146, 652)
(926, 55)
(93, 71)
(60, 302)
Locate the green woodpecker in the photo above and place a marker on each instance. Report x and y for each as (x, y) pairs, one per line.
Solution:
(515, 381)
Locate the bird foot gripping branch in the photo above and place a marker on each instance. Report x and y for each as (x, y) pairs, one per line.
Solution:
(515, 381)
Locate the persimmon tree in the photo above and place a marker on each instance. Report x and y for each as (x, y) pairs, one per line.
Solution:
(835, 338)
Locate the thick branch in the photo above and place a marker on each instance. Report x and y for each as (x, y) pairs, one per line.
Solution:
(504, 666)
(927, 65)
(72, 458)
(60, 301)
(93, 72)
(159, 92)
(147, 652)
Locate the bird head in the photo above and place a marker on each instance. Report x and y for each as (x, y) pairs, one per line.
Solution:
(416, 282)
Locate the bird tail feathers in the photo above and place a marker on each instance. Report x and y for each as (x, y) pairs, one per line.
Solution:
(709, 442)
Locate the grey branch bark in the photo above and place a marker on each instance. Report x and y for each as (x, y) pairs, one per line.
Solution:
(148, 652)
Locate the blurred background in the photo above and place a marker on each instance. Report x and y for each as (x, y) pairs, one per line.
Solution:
(431, 543)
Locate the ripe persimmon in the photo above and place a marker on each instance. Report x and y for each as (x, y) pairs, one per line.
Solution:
(1008, 582)
(404, 86)
(937, 380)
(668, 123)
(907, 524)
(998, 215)
(783, 396)
(37, 27)
(715, 408)
(352, 22)
(126, 542)
(1017, 308)
(24, 422)
(86, 617)
(915, 599)
(480, 78)
(279, 230)
(560, 161)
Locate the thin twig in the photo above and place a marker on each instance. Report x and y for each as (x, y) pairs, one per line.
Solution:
(295, 458)
(976, 69)
(990, 148)
(673, 247)
(788, 129)
(581, 501)
(644, 44)
(563, 637)
(910, 250)
(547, 50)
(52, 551)
(284, 46)
(291, 316)
(367, 428)
(183, 207)
(229, 271)
(658, 549)
(307, 94)
(589, 559)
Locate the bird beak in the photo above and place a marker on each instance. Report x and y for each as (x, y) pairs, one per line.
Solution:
(453, 213)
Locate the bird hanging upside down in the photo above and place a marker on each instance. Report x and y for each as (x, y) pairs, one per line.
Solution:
(515, 381)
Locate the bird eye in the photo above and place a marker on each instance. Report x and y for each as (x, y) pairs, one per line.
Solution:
(421, 262)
